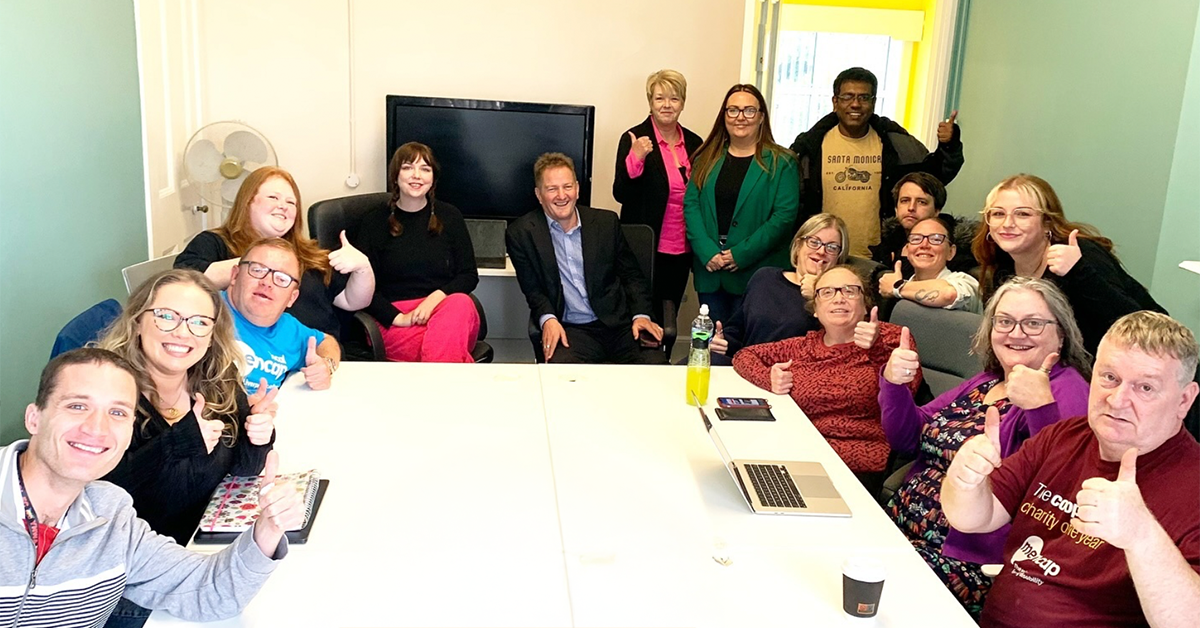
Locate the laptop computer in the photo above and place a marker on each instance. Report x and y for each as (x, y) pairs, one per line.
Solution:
(780, 487)
(487, 237)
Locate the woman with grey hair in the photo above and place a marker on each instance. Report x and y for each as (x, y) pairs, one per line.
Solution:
(1035, 373)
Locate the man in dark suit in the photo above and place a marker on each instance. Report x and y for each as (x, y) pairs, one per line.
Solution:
(583, 284)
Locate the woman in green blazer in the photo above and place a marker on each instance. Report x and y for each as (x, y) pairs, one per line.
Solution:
(741, 203)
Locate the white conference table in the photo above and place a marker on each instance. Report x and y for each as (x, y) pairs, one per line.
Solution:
(554, 495)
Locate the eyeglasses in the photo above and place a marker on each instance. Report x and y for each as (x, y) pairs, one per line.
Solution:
(1022, 215)
(168, 320)
(749, 112)
(851, 292)
(865, 99)
(833, 248)
(278, 277)
(1031, 326)
(936, 239)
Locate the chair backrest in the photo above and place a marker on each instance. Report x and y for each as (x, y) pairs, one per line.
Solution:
(943, 339)
(641, 241)
(863, 265)
(487, 237)
(327, 218)
(138, 273)
(86, 327)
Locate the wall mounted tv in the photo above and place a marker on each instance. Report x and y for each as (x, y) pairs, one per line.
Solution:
(486, 148)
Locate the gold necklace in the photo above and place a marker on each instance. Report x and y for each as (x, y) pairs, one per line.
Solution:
(170, 413)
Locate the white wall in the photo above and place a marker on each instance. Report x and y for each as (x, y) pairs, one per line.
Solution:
(283, 67)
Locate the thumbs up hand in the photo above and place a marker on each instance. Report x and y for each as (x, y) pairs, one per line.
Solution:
(1030, 388)
(641, 146)
(279, 509)
(260, 424)
(866, 332)
(318, 372)
(1061, 258)
(979, 456)
(1114, 511)
(781, 378)
(904, 363)
(210, 430)
(945, 130)
(718, 344)
(348, 259)
(887, 281)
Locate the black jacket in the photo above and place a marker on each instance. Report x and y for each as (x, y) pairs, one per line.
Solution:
(617, 289)
(902, 154)
(644, 199)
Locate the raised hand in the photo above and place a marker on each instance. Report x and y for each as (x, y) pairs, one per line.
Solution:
(317, 372)
(552, 334)
(979, 456)
(781, 378)
(945, 131)
(904, 363)
(279, 508)
(866, 332)
(210, 431)
(348, 259)
(1029, 388)
(640, 146)
(1061, 258)
(263, 399)
(808, 285)
(1114, 511)
(718, 344)
(887, 281)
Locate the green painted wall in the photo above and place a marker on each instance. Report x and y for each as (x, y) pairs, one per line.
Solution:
(1179, 290)
(72, 199)
(1088, 96)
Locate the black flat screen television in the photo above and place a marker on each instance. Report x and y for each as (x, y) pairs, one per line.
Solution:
(486, 148)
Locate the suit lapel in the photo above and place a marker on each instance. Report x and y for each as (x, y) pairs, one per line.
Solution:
(754, 177)
(545, 249)
(587, 242)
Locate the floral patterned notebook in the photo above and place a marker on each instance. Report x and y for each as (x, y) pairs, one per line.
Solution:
(234, 505)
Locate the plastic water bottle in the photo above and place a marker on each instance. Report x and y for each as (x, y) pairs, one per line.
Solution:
(699, 366)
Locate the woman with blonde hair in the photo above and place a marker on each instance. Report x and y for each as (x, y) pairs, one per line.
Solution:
(1025, 233)
(653, 168)
(775, 306)
(268, 205)
(741, 203)
(194, 424)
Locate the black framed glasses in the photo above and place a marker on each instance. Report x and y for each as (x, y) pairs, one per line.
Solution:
(168, 320)
(749, 112)
(278, 277)
(936, 239)
(814, 243)
(851, 292)
(865, 99)
(1031, 326)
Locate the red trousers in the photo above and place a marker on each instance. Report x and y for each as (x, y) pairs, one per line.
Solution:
(448, 336)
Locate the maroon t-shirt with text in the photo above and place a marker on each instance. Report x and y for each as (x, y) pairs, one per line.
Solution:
(1054, 575)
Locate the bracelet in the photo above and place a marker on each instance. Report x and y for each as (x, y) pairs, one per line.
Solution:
(897, 287)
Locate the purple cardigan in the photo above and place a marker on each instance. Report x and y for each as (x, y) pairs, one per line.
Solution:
(903, 421)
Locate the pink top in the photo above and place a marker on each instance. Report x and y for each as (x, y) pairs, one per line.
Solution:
(673, 235)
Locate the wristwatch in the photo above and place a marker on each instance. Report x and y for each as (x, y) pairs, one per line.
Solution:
(332, 365)
(897, 287)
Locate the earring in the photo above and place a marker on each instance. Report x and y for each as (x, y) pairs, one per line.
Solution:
(988, 236)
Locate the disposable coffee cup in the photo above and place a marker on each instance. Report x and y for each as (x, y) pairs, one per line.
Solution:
(862, 584)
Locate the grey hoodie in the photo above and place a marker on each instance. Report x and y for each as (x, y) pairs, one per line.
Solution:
(103, 551)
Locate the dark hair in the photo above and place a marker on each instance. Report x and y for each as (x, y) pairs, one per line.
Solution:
(280, 244)
(948, 222)
(928, 184)
(546, 161)
(860, 75)
(86, 355)
(410, 153)
(705, 157)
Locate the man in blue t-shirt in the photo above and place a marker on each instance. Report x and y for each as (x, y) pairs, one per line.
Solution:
(265, 283)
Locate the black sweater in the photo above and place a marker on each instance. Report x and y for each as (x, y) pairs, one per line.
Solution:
(314, 307)
(171, 475)
(415, 263)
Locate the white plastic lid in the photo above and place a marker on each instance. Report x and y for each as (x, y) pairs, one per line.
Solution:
(703, 309)
(864, 569)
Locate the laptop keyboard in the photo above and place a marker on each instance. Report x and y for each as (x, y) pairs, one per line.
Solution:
(774, 486)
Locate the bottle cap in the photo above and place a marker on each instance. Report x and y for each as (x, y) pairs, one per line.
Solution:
(703, 309)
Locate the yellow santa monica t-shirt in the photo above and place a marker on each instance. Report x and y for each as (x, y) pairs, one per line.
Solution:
(850, 180)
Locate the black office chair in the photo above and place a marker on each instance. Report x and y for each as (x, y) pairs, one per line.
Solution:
(361, 339)
(641, 241)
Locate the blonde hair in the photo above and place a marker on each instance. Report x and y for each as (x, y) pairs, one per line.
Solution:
(1159, 335)
(1072, 353)
(215, 376)
(669, 81)
(814, 224)
(552, 160)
